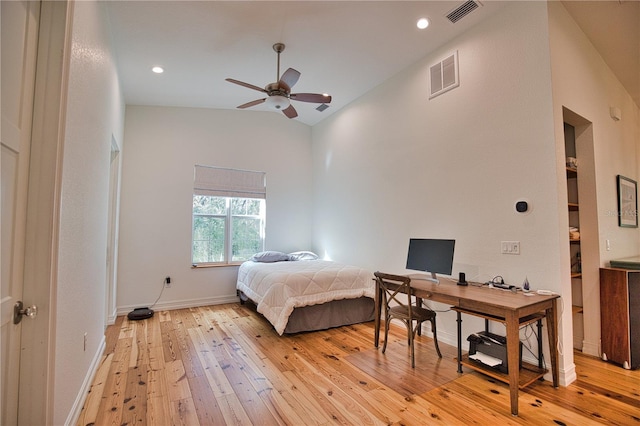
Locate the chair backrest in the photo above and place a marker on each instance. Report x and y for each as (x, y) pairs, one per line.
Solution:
(395, 288)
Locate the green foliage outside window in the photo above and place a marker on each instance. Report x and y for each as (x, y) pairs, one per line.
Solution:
(220, 223)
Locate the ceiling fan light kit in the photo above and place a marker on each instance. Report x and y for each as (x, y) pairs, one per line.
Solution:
(279, 94)
(278, 102)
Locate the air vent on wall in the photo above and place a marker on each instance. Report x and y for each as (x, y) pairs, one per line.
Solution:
(444, 75)
(463, 10)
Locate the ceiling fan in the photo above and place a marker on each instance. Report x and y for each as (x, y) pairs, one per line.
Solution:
(279, 93)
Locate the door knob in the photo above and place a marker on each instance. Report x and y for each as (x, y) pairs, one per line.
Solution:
(20, 311)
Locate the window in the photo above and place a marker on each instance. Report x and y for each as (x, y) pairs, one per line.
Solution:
(226, 230)
(228, 215)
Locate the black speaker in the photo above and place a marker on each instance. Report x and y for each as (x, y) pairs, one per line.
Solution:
(462, 279)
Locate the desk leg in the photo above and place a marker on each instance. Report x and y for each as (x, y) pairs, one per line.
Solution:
(552, 332)
(419, 304)
(513, 358)
(378, 309)
(459, 320)
(539, 324)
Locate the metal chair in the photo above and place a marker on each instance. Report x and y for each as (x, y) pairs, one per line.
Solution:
(394, 290)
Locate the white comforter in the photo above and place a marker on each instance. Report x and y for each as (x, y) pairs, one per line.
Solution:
(277, 288)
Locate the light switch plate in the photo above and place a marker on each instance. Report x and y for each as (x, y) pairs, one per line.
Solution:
(510, 247)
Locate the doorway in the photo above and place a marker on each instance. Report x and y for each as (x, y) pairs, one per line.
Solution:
(583, 214)
(112, 230)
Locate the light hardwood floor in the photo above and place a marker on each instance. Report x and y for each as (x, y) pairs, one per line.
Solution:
(225, 364)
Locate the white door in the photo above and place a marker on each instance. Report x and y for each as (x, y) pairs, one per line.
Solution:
(19, 47)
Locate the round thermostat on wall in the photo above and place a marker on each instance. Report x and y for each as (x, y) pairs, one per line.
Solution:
(522, 206)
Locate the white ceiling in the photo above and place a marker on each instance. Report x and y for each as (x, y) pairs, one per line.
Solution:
(344, 48)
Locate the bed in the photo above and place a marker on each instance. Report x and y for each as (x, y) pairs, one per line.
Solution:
(299, 292)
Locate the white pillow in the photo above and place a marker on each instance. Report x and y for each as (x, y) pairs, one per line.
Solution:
(270, 256)
(303, 255)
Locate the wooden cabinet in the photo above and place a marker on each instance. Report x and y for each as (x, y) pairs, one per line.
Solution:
(620, 316)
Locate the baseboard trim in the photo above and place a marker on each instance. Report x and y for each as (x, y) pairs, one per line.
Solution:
(182, 304)
(111, 318)
(589, 348)
(76, 409)
(567, 375)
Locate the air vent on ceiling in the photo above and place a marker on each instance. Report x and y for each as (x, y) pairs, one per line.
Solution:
(463, 10)
(444, 75)
(322, 107)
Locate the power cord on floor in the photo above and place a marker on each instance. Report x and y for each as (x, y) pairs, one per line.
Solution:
(164, 282)
(143, 313)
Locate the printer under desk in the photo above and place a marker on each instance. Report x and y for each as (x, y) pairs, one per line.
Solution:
(494, 347)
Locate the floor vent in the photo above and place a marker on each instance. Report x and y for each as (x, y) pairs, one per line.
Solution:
(444, 75)
(463, 10)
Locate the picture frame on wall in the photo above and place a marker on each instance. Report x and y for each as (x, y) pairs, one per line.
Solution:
(627, 202)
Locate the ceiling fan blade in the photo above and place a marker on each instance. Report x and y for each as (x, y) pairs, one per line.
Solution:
(290, 77)
(242, 83)
(311, 97)
(290, 112)
(252, 103)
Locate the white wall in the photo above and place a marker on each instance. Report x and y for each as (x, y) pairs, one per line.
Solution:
(162, 146)
(395, 165)
(584, 84)
(90, 126)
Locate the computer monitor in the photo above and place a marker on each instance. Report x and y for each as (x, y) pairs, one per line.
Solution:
(431, 256)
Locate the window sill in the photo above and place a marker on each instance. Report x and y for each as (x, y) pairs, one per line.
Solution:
(214, 265)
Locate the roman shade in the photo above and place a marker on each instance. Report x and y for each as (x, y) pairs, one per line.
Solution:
(222, 182)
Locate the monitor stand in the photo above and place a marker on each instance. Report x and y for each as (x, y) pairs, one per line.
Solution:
(432, 277)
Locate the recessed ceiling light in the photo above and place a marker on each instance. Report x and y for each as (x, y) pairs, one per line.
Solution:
(157, 70)
(422, 23)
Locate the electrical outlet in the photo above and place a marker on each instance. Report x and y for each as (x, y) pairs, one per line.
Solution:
(167, 281)
(511, 247)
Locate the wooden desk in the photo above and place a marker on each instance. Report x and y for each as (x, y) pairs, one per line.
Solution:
(512, 309)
